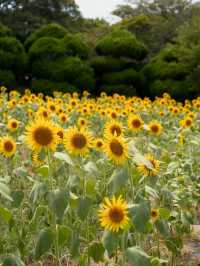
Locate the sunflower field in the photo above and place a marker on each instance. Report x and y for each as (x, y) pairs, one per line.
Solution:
(86, 181)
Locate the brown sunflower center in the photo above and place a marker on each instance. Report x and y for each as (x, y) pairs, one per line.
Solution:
(43, 136)
(14, 124)
(52, 108)
(99, 144)
(115, 130)
(116, 215)
(116, 148)
(60, 134)
(79, 141)
(154, 214)
(136, 123)
(154, 128)
(188, 122)
(8, 146)
(113, 115)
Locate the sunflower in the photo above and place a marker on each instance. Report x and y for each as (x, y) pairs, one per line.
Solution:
(154, 215)
(7, 146)
(13, 124)
(99, 144)
(78, 141)
(113, 128)
(186, 122)
(155, 127)
(60, 133)
(135, 123)
(117, 149)
(63, 118)
(82, 122)
(113, 214)
(40, 134)
(149, 171)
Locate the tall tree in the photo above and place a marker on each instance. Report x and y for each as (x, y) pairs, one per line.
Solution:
(24, 16)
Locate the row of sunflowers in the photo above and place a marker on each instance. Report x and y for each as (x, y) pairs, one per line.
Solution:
(97, 181)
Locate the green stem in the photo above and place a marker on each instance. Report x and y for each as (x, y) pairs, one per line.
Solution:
(123, 249)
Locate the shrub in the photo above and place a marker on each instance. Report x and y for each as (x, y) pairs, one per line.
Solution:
(47, 86)
(12, 55)
(121, 43)
(46, 48)
(50, 30)
(4, 31)
(7, 79)
(102, 64)
(75, 46)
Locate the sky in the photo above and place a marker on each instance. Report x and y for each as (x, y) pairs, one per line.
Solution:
(98, 8)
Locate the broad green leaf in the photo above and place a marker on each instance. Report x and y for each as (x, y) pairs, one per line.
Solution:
(163, 227)
(110, 242)
(38, 191)
(12, 260)
(5, 191)
(83, 209)
(96, 251)
(17, 197)
(140, 215)
(44, 242)
(164, 213)
(64, 234)
(137, 257)
(5, 214)
(91, 168)
(64, 157)
(58, 202)
(43, 171)
(118, 179)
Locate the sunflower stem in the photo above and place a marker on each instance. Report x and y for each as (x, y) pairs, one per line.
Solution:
(123, 249)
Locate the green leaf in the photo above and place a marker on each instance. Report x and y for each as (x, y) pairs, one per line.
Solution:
(38, 191)
(43, 170)
(64, 157)
(17, 197)
(164, 213)
(5, 191)
(163, 227)
(140, 214)
(59, 202)
(83, 209)
(44, 242)
(110, 242)
(12, 260)
(137, 257)
(118, 179)
(64, 234)
(91, 168)
(5, 214)
(96, 251)
(42, 154)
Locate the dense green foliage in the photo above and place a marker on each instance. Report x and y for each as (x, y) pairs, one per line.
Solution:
(154, 48)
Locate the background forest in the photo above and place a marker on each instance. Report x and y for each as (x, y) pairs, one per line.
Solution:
(48, 44)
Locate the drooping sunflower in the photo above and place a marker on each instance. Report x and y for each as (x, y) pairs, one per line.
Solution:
(135, 123)
(7, 146)
(13, 124)
(78, 141)
(113, 214)
(40, 134)
(113, 128)
(37, 159)
(149, 171)
(116, 149)
(155, 127)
